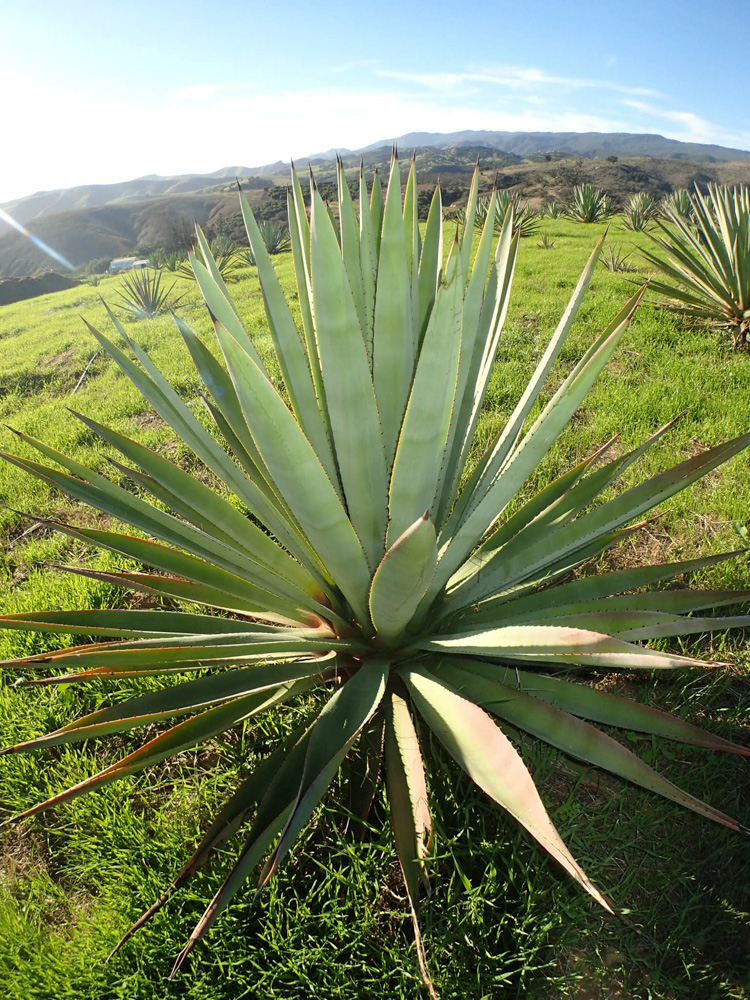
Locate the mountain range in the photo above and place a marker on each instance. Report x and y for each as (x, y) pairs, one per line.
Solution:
(109, 220)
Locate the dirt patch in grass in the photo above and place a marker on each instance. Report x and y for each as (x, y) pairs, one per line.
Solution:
(148, 420)
(22, 853)
(650, 545)
(64, 360)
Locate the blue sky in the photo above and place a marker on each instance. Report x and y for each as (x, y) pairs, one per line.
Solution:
(96, 92)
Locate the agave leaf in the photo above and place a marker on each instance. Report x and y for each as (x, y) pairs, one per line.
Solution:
(512, 537)
(289, 347)
(493, 494)
(349, 389)
(599, 706)
(471, 211)
(565, 539)
(368, 262)
(300, 476)
(156, 706)
(507, 439)
(181, 737)
(350, 249)
(478, 338)
(541, 507)
(333, 733)
(377, 210)
(199, 571)
(113, 622)
(299, 231)
(421, 444)
(220, 305)
(206, 509)
(402, 578)
(269, 505)
(189, 591)
(105, 496)
(274, 809)
(587, 589)
(430, 262)
(226, 823)
(557, 644)
(567, 733)
(412, 240)
(393, 350)
(157, 390)
(182, 652)
(488, 757)
(407, 795)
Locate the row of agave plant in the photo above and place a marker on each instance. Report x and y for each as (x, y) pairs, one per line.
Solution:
(701, 251)
(587, 203)
(412, 587)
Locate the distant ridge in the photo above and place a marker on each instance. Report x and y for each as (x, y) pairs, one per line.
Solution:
(586, 144)
(110, 220)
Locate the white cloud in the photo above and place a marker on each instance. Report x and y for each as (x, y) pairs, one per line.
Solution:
(693, 128)
(56, 140)
(514, 77)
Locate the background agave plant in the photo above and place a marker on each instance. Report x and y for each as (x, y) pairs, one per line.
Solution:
(707, 262)
(225, 255)
(413, 591)
(143, 296)
(525, 219)
(275, 238)
(551, 210)
(677, 202)
(589, 204)
(640, 211)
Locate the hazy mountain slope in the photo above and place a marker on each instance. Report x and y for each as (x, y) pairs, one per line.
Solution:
(108, 230)
(25, 210)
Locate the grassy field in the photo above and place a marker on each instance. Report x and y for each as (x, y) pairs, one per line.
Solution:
(502, 920)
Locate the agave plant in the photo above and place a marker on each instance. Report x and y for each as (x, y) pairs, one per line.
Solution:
(525, 219)
(707, 263)
(275, 238)
(677, 202)
(226, 256)
(407, 588)
(616, 261)
(589, 204)
(143, 296)
(641, 210)
(551, 210)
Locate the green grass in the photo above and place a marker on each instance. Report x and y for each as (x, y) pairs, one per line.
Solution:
(502, 920)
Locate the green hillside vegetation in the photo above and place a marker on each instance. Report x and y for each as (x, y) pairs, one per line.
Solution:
(333, 922)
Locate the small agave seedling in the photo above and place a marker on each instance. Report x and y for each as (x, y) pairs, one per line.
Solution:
(390, 574)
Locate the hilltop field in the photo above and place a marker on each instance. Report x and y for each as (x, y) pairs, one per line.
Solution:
(502, 920)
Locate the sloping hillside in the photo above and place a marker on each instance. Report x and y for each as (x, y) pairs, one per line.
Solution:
(110, 230)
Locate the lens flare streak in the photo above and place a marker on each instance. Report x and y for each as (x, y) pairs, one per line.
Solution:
(35, 240)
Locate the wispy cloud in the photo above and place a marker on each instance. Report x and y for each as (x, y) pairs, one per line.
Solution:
(692, 127)
(514, 77)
